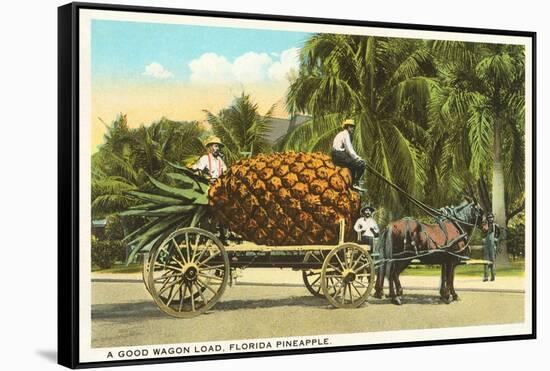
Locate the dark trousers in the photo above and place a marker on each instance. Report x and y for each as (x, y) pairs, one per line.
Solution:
(369, 240)
(357, 168)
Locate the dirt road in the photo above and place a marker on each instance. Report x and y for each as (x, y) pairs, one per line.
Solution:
(123, 314)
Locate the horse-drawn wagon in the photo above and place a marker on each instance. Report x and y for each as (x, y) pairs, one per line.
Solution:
(187, 273)
(293, 210)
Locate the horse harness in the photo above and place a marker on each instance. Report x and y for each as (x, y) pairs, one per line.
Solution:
(410, 243)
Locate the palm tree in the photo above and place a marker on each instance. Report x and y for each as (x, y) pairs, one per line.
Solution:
(165, 141)
(481, 101)
(243, 131)
(128, 157)
(382, 83)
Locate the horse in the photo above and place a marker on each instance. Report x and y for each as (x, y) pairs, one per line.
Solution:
(444, 242)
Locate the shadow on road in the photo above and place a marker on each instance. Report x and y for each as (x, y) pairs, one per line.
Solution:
(291, 301)
(410, 299)
(124, 311)
(147, 309)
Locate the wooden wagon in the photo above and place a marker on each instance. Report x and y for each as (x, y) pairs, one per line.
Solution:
(187, 273)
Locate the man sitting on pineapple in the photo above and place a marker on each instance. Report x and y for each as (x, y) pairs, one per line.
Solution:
(344, 155)
(211, 164)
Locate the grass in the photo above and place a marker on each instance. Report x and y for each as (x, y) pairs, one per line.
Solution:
(515, 269)
(120, 268)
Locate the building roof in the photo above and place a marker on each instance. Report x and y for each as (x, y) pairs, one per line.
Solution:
(281, 126)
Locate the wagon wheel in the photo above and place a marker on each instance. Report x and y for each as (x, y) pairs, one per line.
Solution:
(191, 270)
(347, 276)
(145, 269)
(146, 263)
(312, 277)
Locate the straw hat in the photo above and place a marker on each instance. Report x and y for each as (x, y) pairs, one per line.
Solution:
(348, 122)
(213, 140)
(367, 207)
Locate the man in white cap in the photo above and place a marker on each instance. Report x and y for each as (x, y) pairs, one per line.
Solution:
(344, 155)
(366, 227)
(212, 164)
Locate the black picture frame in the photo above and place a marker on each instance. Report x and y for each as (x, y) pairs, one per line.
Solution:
(68, 180)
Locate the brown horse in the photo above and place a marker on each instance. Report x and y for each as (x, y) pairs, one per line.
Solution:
(444, 242)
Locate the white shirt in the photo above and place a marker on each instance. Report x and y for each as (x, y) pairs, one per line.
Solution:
(215, 165)
(363, 225)
(342, 143)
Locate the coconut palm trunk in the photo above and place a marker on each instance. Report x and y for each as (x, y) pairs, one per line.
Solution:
(499, 206)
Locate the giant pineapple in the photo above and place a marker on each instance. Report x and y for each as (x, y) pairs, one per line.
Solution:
(273, 199)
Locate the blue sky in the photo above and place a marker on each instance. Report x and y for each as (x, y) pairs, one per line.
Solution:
(124, 49)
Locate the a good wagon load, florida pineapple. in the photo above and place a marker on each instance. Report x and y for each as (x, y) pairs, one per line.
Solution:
(272, 199)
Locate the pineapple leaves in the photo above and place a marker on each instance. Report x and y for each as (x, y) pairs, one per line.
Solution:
(187, 195)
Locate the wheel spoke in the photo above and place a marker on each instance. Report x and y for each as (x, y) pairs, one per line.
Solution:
(167, 287)
(173, 295)
(358, 292)
(361, 267)
(207, 286)
(200, 293)
(336, 269)
(187, 245)
(350, 293)
(316, 257)
(361, 283)
(199, 263)
(182, 297)
(343, 298)
(337, 291)
(167, 276)
(317, 280)
(201, 254)
(348, 257)
(357, 261)
(195, 249)
(332, 284)
(179, 251)
(166, 266)
(166, 282)
(341, 264)
(197, 240)
(192, 298)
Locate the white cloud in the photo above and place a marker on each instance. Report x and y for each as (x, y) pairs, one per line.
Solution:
(251, 66)
(157, 70)
(289, 60)
(248, 67)
(211, 67)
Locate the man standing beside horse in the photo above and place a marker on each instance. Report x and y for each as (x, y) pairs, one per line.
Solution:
(490, 245)
(366, 227)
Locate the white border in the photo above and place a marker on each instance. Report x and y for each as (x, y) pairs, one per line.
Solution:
(87, 354)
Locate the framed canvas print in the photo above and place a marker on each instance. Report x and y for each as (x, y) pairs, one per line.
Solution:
(236, 185)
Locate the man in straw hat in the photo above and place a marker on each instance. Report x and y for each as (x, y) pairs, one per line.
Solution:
(344, 155)
(211, 164)
(366, 227)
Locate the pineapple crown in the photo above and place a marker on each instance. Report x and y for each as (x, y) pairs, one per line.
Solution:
(170, 207)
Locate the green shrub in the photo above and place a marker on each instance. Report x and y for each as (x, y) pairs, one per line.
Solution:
(114, 228)
(106, 252)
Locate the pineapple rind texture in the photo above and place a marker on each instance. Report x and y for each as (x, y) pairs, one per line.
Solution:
(286, 198)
